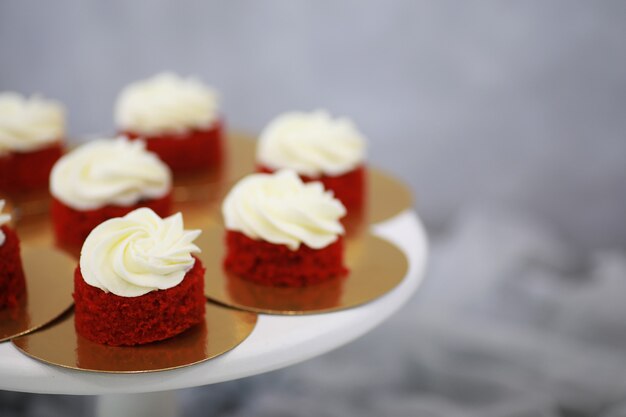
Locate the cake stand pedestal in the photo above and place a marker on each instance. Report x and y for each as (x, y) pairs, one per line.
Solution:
(276, 342)
(147, 404)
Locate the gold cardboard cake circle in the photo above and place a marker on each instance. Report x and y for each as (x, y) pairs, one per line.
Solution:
(59, 344)
(49, 284)
(376, 267)
(200, 195)
(386, 196)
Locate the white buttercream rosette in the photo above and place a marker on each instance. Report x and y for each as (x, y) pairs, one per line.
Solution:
(166, 103)
(109, 171)
(280, 208)
(312, 144)
(133, 255)
(28, 124)
(4, 219)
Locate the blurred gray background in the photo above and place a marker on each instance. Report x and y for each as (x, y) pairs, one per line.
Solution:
(507, 118)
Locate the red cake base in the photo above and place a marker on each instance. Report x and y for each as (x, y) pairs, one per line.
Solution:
(349, 188)
(276, 265)
(112, 320)
(28, 171)
(12, 283)
(196, 150)
(71, 226)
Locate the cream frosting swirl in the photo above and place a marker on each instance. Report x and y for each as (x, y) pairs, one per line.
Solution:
(166, 103)
(28, 124)
(141, 252)
(4, 219)
(281, 209)
(109, 171)
(312, 144)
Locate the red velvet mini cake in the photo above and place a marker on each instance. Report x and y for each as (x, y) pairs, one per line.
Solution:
(113, 320)
(31, 137)
(283, 232)
(137, 281)
(12, 283)
(318, 148)
(178, 118)
(191, 151)
(103, 179)
(72, 226)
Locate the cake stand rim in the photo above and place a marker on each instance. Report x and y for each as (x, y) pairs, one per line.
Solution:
(276, 342)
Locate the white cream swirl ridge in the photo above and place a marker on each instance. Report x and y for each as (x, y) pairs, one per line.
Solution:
(4, 219)
(166, 103)
(109, 171)
(279, 208)
(133, 255)
(28, 124)
(312, 144)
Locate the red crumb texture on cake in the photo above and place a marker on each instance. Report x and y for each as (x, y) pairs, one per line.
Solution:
(12, 283)
(276, 265)
(349, 188)
(28, 171)
(190, 151)
(112, 320)
(71, 226)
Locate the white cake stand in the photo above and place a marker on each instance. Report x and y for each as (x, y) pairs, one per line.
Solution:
(276, 342)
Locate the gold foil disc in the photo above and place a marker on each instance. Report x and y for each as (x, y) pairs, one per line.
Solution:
(59, 344)
(386, 196)
(31, 203)
(35, 229)
(199, 196)
(49, 285)
(376, 266)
